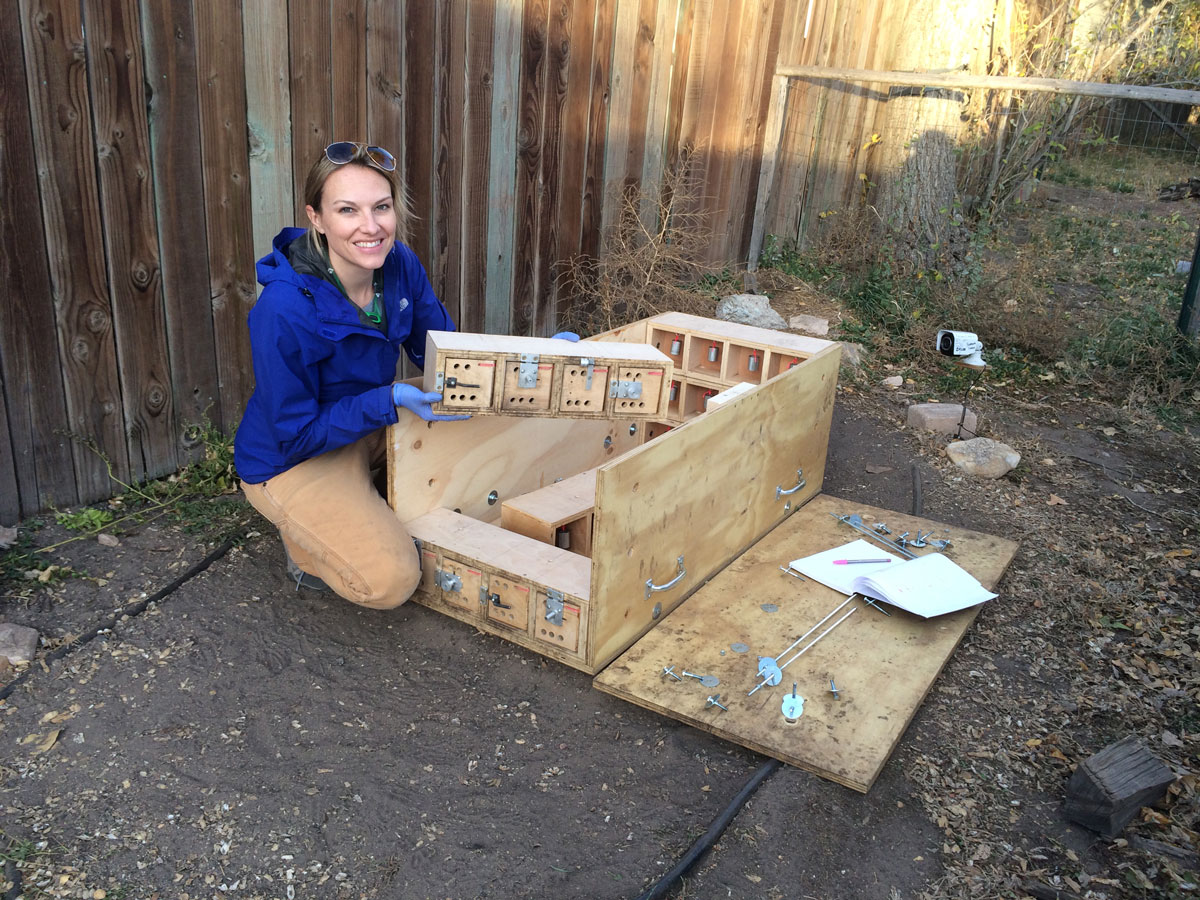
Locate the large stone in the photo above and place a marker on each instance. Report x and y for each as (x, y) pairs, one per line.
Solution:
(983, 457)
(814, 325)
(942, 417)
(17, 642)
(852, 354)
(750, 309)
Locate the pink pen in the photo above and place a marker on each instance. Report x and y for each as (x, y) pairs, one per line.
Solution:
(849, 562)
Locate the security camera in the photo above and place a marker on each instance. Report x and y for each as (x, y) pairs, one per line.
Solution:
(962, 344)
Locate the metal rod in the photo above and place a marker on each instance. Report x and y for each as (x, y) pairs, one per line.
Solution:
(891, 545)
(800, 653)
(815, 627)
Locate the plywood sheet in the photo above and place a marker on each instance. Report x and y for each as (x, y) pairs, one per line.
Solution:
(883, 666)
(707, 491)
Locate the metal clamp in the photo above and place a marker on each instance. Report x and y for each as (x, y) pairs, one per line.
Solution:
(527, 372)
(554, 607)
(447, 581)
(800, 482)
(625, 390)
(651, 587)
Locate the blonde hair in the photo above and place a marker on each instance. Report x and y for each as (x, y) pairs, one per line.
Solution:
(314, 185)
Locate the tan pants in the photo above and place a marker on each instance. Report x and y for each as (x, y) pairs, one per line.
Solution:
(335, 525)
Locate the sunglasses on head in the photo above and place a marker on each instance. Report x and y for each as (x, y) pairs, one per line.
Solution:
(341, 152)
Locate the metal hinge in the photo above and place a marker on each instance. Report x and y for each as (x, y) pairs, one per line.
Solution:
(625, 390)
(554, 607)
(527, 373)
(589, 364)
(439, 381)
(447, 581)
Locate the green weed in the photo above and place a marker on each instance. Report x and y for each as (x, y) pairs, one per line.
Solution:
(89, 519)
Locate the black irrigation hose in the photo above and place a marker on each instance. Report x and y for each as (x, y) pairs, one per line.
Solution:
(132, 609)
(715, 830)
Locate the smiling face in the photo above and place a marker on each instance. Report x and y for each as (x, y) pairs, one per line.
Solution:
(357, 216)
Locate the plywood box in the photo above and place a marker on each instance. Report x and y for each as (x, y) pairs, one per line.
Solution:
(701, 492)
(550, 377)
(653, 511)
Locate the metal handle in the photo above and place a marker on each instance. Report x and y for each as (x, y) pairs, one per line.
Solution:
(651, 587)
(780, 492)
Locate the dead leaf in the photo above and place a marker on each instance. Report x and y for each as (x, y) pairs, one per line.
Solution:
(1170, 740)
(1179, 554)
(1056, 500)
(1109, 431)
(8, 537)
(107, 540)
(755, 878)
(877, 470)
(47, 742)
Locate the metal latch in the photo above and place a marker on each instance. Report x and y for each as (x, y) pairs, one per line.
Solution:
(554, 607)
(626, 390)
(589, 364)
(527, 373)
(447, 581)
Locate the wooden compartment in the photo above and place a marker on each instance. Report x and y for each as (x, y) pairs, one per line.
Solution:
(698, 353)
(670, 343)
(520, 397)
(549, 377)
(468, 383)
(547, 513)
(744, 363)
(780, 362)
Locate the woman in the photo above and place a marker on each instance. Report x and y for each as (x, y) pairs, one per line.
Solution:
(339, 300)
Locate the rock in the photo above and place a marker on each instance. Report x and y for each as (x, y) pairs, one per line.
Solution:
(983, 457)
(852, 354)
(942, 418)
(750, 309)
(893, 382)
(17, 642)
(108, 540)
(809, 324)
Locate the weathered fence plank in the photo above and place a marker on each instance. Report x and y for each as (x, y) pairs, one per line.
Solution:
(477, 125)
(452, 133)
(592, 207)
(223, 136)
(174, 120)
(348, 70)
(311, 94)
(36, 468)
(420, 31)
(531, 115)
(269, 122)
(52, 32)
(127, 208)
(502, 170)
(385, 76)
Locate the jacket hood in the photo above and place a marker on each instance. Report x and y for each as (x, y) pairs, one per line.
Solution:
(278, 264)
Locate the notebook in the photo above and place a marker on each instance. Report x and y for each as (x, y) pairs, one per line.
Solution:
(928, 586)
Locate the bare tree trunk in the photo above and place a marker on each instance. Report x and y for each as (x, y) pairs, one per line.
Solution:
(915, 178)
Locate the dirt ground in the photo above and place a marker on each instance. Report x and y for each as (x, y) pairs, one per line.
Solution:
(238, 738)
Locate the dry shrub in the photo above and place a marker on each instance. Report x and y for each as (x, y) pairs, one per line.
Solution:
(650, 262)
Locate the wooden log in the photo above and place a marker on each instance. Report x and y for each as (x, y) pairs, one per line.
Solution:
(1109, 787)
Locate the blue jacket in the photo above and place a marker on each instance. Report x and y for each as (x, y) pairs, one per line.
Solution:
(322, 378)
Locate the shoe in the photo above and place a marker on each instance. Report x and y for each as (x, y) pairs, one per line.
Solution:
(302, 578)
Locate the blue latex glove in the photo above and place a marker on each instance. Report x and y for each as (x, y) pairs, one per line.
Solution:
(567, 336)
(417, 402)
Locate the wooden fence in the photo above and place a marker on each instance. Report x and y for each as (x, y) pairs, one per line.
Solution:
(151, 148)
